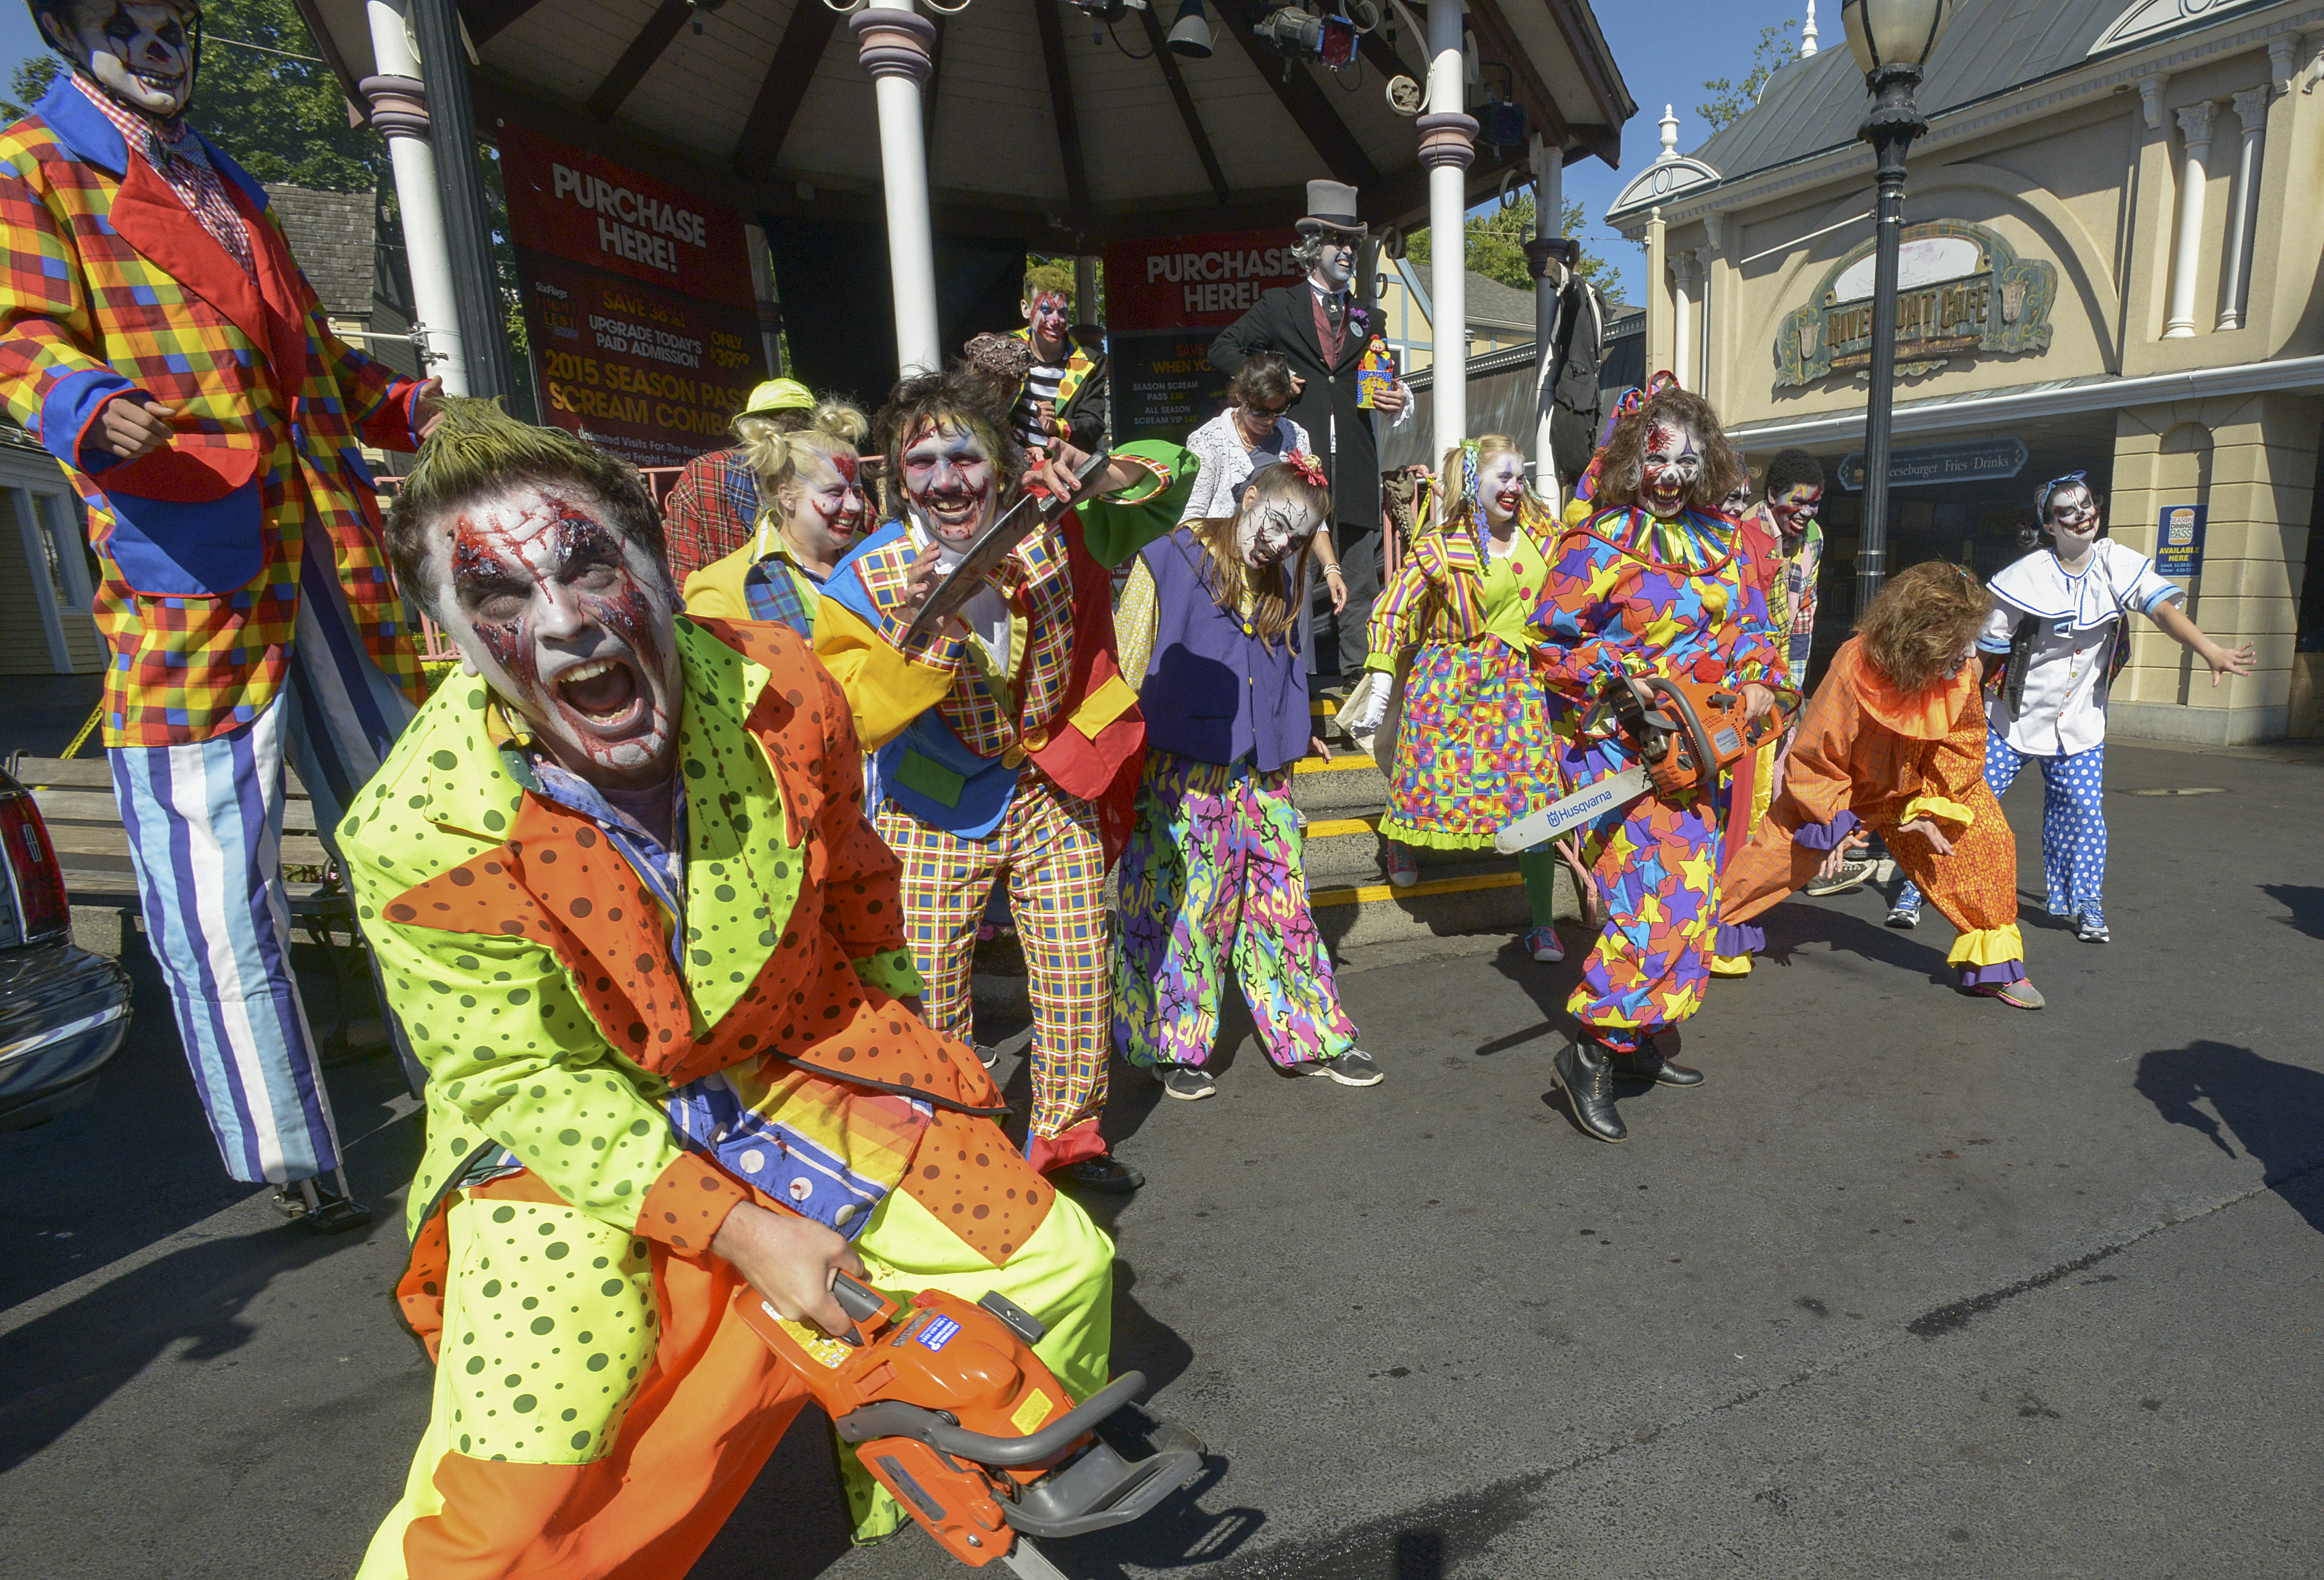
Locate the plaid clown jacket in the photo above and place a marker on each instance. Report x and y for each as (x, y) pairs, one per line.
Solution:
(108, 286)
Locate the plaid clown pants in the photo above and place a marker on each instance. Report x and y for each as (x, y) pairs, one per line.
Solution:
(1048, 847)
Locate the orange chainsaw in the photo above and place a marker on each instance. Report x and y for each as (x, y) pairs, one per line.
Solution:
(953, 1412)
(1685, 733)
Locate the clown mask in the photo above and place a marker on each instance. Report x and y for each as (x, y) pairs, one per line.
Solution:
(949, 481)
(569, 620)
(1045, 313)
(1671, 466)
(141, 51)
(827, 507)
(1500, 487)
(2072, 516)
(1794, 509)
(1268, 531)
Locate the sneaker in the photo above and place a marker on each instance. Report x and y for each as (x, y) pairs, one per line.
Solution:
(320, 1207)
(2020, 995)
(1852, 876)
(1403, 866)
(1906, 917)
(1541, 943)
(1185, 1082)
(1106, 1173)
(1352, 1068)
(987, 1057)
(2089, 929)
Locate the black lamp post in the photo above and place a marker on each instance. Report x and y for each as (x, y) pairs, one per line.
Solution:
(1891, 39)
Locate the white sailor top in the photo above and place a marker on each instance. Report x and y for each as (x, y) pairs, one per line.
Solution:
(2075, 619)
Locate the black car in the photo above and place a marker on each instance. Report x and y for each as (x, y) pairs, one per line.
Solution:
(63, 1011)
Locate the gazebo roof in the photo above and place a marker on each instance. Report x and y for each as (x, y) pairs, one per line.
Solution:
(1033, 130)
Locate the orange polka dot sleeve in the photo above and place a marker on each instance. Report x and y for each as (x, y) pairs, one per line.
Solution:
(860, 890)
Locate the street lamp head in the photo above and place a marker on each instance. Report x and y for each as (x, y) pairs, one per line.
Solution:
(1894, 32)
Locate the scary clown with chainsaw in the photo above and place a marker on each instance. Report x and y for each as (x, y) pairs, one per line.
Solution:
(1646, 598)
(623, 893)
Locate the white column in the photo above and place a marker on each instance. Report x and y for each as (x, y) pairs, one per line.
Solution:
(891, 41)
(1448, 147)
(2195, 127)
(399, 110)
(1682, 270)
(2251, 109)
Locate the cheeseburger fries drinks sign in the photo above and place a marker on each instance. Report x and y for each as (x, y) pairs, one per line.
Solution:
(637, 298)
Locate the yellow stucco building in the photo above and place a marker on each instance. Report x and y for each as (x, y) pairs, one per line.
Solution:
(2110, 265)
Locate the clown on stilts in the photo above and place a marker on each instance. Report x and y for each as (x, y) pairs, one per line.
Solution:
(621, 884)
(1008, 742)
(161, 343)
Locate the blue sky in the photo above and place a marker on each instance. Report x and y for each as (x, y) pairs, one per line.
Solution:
(1667, 49)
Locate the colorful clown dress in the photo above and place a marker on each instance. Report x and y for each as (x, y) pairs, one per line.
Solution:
(1633, 595)
(1474, 750)
(1017, 756)
(627, 1040)
(1214, 879)
(1866, 754)
(242, 585)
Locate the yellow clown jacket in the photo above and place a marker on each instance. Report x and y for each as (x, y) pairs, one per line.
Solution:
(534, 972)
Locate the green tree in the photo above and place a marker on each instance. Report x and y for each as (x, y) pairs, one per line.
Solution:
(1496, 247)
(1776, 49)
(27, 83)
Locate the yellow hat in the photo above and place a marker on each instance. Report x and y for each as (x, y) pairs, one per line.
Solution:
(780, 395)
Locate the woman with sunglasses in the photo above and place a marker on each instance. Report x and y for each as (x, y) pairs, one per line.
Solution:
(1253, 432)
(2061, 632)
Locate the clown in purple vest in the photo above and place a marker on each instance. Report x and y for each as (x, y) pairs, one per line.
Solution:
(1214, 876)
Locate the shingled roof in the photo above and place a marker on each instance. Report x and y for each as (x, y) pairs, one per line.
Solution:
(333, 235)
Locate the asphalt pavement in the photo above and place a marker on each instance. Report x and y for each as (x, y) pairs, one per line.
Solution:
(1914, 1284)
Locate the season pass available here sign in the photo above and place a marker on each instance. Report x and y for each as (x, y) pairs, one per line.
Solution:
(637, 298)
(1166, 298)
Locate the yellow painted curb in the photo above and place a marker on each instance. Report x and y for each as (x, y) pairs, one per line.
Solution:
(1344, 763)
(1330, 827)
(1364, 894)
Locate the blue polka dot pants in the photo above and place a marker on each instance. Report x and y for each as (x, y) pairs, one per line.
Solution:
(2073, 825)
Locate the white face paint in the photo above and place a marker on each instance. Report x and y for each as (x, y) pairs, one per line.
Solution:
(1671, 467)
(949, 481)
(1270, 532)
(827, 507)
(1336, 264)
(1500, 485)
(141, 49)
(2074, 520)
(570, 622)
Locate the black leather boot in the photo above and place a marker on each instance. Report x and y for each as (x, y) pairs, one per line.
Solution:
(1649, 1065)
(1586, 1072)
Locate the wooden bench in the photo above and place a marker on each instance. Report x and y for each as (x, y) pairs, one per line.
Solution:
(75, 796)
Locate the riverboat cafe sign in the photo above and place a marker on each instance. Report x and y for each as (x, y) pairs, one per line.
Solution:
(1961, 290)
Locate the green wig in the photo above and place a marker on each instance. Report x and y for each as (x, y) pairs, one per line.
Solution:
(479, 450)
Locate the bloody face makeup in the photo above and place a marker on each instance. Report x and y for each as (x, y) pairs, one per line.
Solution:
(141, 51)
(1268, 532)
(569, 621)
(949, 481)
(1671, 467)
(1045, 314)
(1796, 507)
(2072, 518)
(1500, 487)
(827, 506)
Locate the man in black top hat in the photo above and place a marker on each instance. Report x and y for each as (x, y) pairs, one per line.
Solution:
(1323, 331)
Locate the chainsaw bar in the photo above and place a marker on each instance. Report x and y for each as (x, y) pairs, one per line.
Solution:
(1583, 805)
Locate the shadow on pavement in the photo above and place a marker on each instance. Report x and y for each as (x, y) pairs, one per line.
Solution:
(2305, 902)
(2275, 1110)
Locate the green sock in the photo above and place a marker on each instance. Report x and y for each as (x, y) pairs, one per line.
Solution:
(1538, 868)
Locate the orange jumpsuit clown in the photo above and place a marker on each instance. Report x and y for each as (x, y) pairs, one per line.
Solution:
(1869, 755)
(610, 1077)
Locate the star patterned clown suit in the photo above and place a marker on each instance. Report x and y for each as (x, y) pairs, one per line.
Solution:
(1632, 595)
(243, 589)
(624, 1043)
(1025, 763)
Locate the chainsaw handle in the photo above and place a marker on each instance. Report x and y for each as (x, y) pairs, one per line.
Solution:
(892, 1417)
(860, 1301)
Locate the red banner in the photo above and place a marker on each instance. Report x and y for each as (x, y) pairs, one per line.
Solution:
(638, 302)
(1190, 281)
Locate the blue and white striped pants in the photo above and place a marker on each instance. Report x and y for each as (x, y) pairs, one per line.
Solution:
(2073, 825)
(204, 824)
